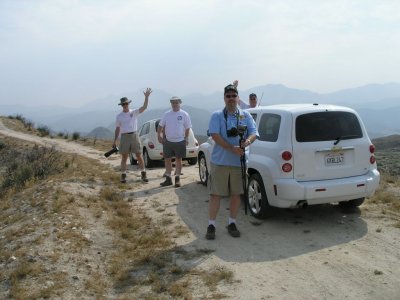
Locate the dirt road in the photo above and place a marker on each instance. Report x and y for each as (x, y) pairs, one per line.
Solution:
(317, 253)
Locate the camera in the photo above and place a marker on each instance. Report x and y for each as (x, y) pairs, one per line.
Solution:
(233, 132)
(112, 151)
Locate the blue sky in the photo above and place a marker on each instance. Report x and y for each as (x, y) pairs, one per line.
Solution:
(72, 52)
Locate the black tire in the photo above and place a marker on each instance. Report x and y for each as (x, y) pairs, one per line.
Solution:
(132, 160)
(192, 161)
(148, 162)
(351, 203)
(257, 198)
(203, 171)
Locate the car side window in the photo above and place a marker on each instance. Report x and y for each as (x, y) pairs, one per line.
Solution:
(145, 129)
(268, 127)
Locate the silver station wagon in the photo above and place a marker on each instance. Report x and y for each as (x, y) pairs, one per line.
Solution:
(306, 154)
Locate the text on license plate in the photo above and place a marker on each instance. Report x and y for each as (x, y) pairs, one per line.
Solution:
(334, 159)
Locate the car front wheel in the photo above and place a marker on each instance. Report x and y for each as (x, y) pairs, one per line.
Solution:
(203, 171)
(257, 198)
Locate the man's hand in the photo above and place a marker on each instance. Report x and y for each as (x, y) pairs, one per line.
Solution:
(147, 92)
(237, 150)
(235, 83)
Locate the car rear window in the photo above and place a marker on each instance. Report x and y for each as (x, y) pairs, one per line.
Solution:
(327, 126)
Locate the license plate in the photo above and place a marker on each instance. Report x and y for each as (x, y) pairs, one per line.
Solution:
(334, 159)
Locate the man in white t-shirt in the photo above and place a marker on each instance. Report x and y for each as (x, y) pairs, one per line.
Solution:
(173, 133)
(126, 126)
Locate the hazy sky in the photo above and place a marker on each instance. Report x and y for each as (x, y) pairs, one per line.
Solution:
(72, 52)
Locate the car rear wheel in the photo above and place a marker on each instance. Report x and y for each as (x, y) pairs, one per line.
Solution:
(192, 161)
(148, 162)
(203, 171)
(257, 198)
(351, 203)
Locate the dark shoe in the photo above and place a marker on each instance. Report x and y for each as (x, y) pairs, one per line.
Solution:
(233, 231)
(144, 177)
(167, 182)
(210, 235)
(123, 178)
(177, 181)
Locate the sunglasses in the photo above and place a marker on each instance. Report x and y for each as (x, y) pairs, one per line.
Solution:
(253, 98)
(230, 96)
(123, 104)
(175, 102)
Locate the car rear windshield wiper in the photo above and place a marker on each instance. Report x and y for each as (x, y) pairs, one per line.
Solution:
(344, 137)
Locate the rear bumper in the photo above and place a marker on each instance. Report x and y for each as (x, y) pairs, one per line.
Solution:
(290, 191)
(156, 154)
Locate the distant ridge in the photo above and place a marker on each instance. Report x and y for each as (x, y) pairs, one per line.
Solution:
(387, 142)
(377, 104)
(101, 133)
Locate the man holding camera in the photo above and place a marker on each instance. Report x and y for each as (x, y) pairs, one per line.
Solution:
(232, 130)
(126, 125)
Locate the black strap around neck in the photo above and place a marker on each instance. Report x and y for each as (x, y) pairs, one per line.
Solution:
(226, 118)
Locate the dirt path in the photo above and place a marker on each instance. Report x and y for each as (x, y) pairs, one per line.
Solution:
(317, 253)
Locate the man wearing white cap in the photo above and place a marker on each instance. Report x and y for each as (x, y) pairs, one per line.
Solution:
(173, 133)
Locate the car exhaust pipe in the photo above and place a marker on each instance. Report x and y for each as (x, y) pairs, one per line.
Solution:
(302, 204)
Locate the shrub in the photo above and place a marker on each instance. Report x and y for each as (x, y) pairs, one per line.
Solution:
(43, 130)
(75, 135)
(29, 124)
(29, 164)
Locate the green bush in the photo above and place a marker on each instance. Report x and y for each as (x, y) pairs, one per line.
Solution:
(43, 130)
(76, 135)
(28, 164)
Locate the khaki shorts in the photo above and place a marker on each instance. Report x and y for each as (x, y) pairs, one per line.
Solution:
(225, 181)
(130, 143)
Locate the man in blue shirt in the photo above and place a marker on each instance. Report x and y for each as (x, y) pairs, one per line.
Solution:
(226, 127)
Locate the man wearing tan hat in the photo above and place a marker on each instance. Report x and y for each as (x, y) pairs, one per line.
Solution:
(126, 125)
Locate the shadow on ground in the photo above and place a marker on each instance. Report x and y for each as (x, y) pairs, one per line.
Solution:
(291, 232)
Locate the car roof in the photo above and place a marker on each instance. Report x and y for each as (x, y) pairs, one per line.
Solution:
(301, 108)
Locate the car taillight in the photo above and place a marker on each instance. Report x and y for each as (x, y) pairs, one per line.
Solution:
(286, 155)
(372, 149)
(372, 159)
(287, 167)
(151, 145)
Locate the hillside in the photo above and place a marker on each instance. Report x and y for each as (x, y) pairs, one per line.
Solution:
(75, 232)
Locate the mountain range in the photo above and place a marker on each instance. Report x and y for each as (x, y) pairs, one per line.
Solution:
(377, 104)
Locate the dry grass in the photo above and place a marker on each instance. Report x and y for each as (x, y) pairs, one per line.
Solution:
(220, 273)
(73, 234)
(388, 194)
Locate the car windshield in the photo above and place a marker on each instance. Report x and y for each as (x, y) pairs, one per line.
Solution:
(327, 126)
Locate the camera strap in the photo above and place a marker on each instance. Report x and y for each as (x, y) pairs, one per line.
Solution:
(226, 118)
